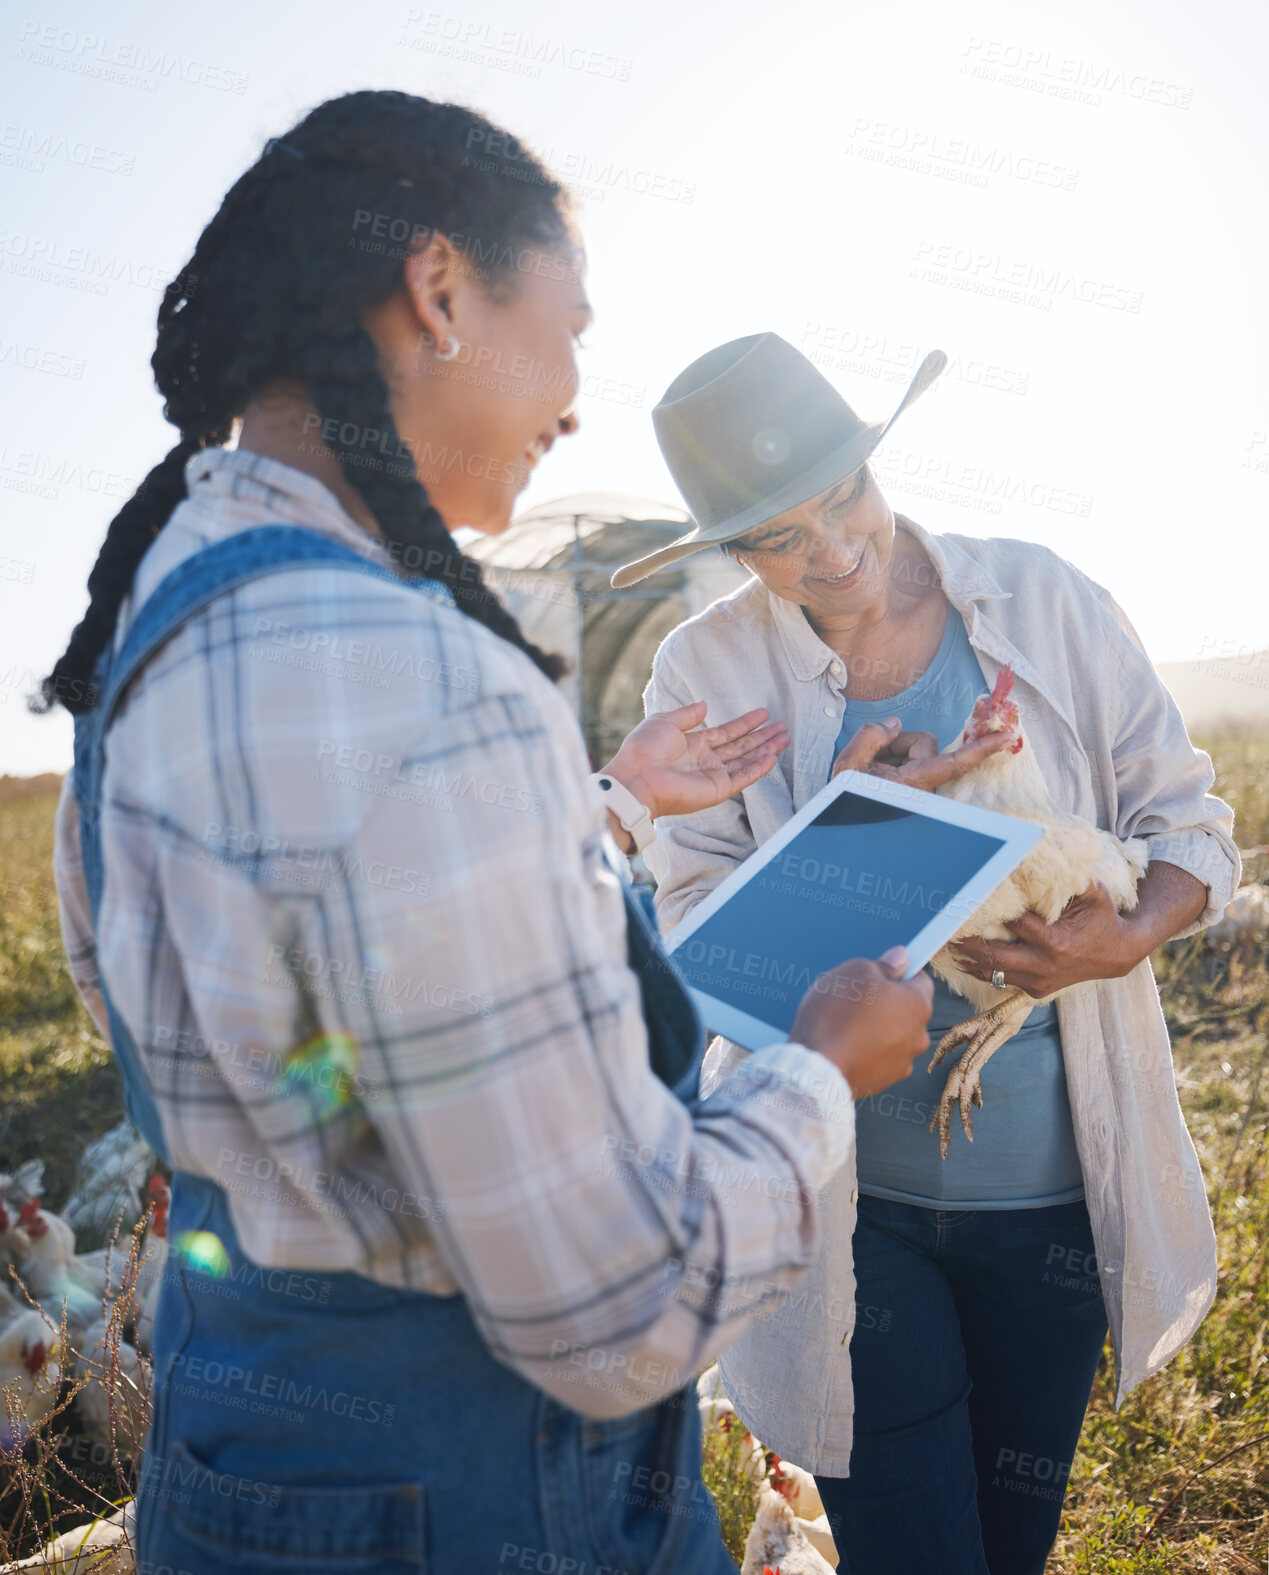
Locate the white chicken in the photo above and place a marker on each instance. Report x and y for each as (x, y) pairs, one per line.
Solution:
(782, 1532)
(109, 1180)
(49, 1268)
(777, 1541)
(15, 1244)
(30, 1371)
(1246, 918)
(10, 1306)
(27, 1181)
(1072, 856)
(111, 1367)
(103, 1546)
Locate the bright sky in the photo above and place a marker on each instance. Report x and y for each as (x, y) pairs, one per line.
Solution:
(1070, 202)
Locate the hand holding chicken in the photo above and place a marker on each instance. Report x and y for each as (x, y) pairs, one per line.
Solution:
(1059, 907)
(1091, 938)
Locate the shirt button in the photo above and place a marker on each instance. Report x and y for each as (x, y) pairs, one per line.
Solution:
(854, 1194)
(835, 668)
(828, 711)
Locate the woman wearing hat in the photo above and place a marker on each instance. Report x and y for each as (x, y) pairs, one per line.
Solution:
(959, 1306)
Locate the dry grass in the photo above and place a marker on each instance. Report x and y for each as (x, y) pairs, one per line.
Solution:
(59, 1087)
(1178, 1480)
(64, 1476)
(728, 1470)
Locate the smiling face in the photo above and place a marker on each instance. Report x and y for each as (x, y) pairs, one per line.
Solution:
(830, 555)
(478, 421)
(523, 387)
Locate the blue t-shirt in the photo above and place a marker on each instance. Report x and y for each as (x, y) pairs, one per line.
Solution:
(1023, 1154)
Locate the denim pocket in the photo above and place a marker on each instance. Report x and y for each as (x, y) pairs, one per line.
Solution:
(647, 1508)
(371, 1527)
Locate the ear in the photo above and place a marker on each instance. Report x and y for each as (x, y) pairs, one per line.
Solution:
(440, 289)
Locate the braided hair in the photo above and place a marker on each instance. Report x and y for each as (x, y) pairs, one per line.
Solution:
(275, 292)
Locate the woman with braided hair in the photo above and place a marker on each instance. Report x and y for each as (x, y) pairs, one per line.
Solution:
(449, 1231)
(275, 295)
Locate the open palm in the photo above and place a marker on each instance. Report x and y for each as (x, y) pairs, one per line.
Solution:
(675, 766)
(881, 750)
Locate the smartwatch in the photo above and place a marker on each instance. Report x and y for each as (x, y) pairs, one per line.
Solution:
(634, 816)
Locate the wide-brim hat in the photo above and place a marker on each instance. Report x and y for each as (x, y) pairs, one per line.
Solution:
(751, 429)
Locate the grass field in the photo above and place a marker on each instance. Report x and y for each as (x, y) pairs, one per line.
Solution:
(1177, 1481)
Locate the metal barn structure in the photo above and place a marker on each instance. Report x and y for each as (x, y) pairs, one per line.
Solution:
(552, 568)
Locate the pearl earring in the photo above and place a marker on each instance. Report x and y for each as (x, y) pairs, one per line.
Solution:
(451, 352)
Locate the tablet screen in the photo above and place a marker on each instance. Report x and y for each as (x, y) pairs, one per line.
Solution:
(861, 877)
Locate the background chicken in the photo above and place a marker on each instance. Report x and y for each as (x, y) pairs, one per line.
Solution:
(43, 1248)
(1072, 856)
(30, 1371)
(776, 1544)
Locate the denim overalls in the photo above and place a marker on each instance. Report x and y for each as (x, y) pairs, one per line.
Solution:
(307, 1421)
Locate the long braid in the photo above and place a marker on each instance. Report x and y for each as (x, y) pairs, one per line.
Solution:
(274, 293)
(130, 533)
(143, 516)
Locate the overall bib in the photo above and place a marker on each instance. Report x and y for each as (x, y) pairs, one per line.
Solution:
(309, 1421)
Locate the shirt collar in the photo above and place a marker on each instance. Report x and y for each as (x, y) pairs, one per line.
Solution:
(805, 652)
(965, 582)
(963, 578)
(262, 490)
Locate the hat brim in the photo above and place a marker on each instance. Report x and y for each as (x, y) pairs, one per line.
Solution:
(835, 466)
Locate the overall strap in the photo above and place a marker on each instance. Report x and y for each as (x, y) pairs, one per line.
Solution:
(198, 580)
(676, 1036)
(214, 571)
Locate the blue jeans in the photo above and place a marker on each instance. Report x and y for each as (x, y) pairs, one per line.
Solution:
(976, 1341)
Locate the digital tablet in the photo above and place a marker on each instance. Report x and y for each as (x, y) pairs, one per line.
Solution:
(867, 864)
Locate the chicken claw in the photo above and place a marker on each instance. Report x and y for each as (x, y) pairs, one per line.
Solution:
(983, 1036)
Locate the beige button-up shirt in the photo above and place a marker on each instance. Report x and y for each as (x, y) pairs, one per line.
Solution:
(1114, 749)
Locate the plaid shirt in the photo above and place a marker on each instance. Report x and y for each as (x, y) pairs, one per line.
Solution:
(361, 921)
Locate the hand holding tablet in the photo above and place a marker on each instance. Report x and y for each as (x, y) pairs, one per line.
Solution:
(866, 865)
(868, 1020)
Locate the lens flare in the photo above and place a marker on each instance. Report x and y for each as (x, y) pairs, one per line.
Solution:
(203, 1251)
(324, 1068)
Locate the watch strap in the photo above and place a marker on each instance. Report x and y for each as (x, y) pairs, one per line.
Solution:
(634, 816)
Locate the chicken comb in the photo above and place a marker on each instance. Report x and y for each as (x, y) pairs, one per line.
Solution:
(1003, 685)
(161, 1197)
(30, 1221)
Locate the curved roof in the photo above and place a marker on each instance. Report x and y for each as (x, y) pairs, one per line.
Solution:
(552, 567)
(613, 528)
